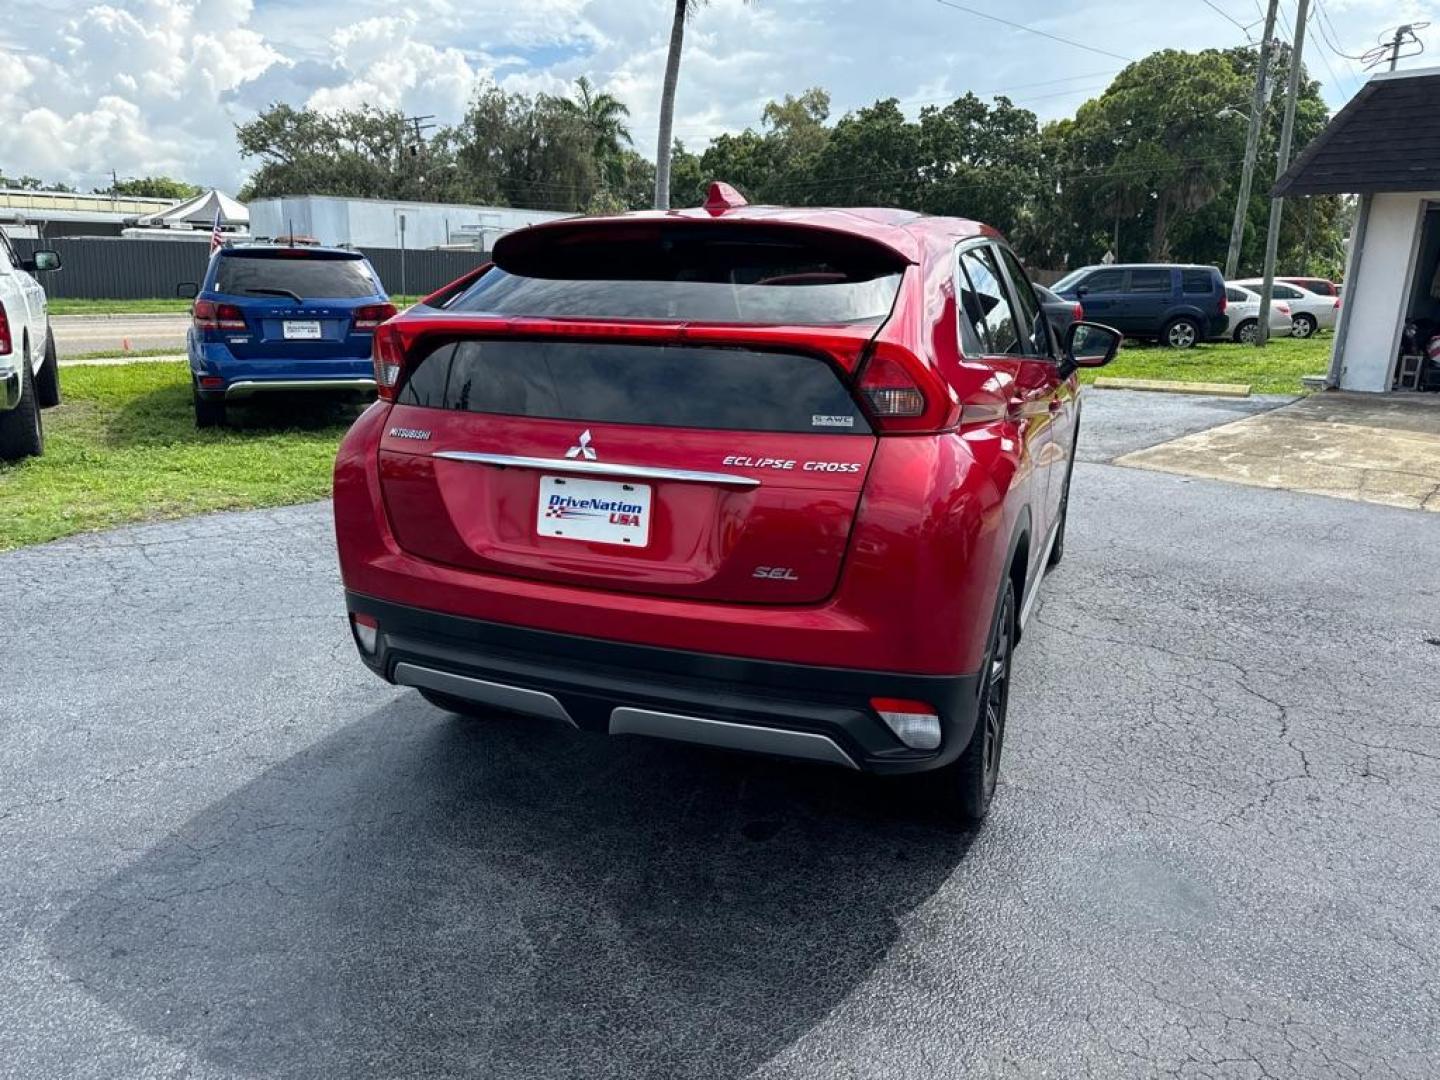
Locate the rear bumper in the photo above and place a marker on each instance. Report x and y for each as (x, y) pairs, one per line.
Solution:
(607, 687)
(243, 388)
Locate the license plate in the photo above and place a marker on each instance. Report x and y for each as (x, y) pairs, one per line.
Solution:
(600, 511)
(304, 330)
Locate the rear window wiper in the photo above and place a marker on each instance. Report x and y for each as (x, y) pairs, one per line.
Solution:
(276, 292)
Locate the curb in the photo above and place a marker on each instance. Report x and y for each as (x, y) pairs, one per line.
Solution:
(1168, 386)
(109, 361)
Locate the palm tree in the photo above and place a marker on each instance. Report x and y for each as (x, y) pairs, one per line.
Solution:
(683, 10)
(603, 115)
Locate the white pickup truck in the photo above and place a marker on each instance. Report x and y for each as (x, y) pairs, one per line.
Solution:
(29, 375)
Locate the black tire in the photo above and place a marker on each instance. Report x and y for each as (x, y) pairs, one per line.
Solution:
(47, 386)
(22, 433)
(1245, 332)
(209, 412)
(1181, 333)
(961, 792)
(1303, 326)
(457, 705)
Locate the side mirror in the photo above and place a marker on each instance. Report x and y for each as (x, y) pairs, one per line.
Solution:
(1089, 345)
(1081, 291)
(42, 261)
(187, 290)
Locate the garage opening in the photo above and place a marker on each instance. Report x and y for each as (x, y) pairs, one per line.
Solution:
(1418, 365)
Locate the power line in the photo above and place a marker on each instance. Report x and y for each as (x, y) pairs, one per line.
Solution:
(1226, 15)
(1032, 30)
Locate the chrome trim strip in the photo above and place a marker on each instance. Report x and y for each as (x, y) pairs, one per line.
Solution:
(516, 698)
(728, 736)
(247, 387)
(599, 468)
(1028, 604)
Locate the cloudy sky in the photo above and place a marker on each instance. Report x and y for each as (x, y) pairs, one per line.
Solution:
(156, 86)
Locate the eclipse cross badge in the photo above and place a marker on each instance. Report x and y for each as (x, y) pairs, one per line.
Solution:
(582, 447)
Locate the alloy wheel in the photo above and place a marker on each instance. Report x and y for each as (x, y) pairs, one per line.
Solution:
(1182, 335)
(996, 698)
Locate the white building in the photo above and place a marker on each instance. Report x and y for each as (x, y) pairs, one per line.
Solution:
(381, 223)
(1384, 146)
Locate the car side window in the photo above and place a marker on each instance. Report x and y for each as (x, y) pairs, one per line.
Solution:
(1284, 292)
(1034, 326)
(969, 314)
(1235, 296)
(1150, 281)
(1104, 281)
(992, 305)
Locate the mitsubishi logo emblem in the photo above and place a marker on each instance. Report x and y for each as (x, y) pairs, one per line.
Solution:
(582, 447)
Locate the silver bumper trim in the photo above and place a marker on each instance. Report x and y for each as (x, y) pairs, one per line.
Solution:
(246, 387)
(728, 736)
(515, 698)
(599, 468)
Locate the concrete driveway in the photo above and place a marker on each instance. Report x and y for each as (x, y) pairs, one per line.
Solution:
(77, 334)
(226, 850)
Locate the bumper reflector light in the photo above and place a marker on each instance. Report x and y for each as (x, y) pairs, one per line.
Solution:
(367, 631)
(915, 723)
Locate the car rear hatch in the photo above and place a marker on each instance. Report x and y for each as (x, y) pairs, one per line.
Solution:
(299, 303)
(553, 432)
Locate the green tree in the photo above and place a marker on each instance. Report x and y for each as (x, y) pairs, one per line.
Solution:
(153, 187)
(603, 115)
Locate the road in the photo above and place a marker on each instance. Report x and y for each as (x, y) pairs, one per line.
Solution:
(79, 334)
(227, 851)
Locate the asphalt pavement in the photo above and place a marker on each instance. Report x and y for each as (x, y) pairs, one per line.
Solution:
(227, 850)
(79, 334)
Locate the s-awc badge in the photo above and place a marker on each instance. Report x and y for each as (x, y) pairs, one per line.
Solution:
(818, 420)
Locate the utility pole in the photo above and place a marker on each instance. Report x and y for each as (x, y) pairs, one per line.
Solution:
(1282, 162)
(1252, 142)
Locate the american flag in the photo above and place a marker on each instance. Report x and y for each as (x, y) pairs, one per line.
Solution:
(215, 232)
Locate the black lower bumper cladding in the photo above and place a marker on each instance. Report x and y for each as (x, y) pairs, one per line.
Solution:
(787, 710)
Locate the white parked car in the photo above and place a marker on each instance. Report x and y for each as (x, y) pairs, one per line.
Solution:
(1242, 305)
(1309, 312)
(29, 374)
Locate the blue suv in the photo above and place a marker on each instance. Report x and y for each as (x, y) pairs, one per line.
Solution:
(1178, 305)
(270, 318)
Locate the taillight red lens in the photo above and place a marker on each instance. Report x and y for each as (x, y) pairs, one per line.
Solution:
(7, 343)
(209, 315)
(388, 353)
(1079, 311)
(902, 395)
(370, 316)
(1224, 303)
(890, 390)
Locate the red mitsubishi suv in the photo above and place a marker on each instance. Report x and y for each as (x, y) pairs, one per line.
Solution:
(776, 480)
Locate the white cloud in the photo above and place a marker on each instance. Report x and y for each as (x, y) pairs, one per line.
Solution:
(149, 86)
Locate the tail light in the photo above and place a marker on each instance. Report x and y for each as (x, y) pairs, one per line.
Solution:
(1224, 303)
(1337, 303)
(915, 723)
(7, 343)
(388, 353)
(209, 315)
(1078, 311)
(902, 395)
(370, 316)
(1283, 309)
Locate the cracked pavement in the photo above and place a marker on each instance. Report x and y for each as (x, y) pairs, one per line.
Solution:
(227, 850)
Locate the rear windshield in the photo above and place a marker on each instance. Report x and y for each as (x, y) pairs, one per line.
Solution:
(661, 385)
(332, 278)
(710, 273)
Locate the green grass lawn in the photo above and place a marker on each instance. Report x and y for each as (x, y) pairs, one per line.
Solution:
(124, 448)
(1275, 369)
(159, 306)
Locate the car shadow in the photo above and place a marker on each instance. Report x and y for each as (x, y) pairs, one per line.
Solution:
(424, 895)
(166, 416)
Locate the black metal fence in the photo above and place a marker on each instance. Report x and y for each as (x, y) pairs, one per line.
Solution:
(132, 268)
